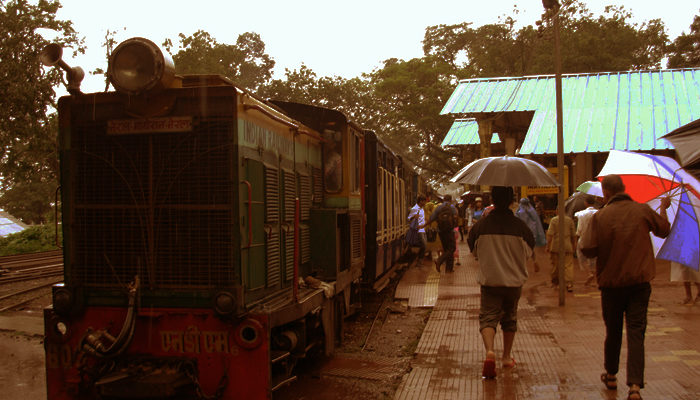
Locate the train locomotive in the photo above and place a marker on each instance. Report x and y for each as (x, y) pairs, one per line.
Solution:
(211, 238)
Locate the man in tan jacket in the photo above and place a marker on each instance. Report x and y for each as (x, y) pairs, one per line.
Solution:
(619, 236)
(569, 246)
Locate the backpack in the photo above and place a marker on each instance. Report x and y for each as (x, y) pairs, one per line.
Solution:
(445, 219)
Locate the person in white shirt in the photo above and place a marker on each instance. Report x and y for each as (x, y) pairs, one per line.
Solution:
(418, 212)
(584, 219)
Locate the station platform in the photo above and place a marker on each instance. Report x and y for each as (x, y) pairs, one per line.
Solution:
(558, 349)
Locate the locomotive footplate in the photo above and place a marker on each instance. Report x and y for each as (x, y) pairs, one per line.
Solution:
(148, 380)
(282, 311)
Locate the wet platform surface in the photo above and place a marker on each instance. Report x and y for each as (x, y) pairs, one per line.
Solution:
(558, 349)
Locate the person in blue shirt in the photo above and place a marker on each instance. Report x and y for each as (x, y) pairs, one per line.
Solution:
(417, 213)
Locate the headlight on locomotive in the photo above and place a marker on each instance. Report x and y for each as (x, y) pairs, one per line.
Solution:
(62, 300)
(138, 65)
(225, 303)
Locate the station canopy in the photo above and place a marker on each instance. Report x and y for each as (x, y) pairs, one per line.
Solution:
(465, 131)
(627, 110)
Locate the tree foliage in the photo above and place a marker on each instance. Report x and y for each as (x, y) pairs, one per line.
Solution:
(410, 95)
(608, 42)
(351, 96)
(244, 62)
(685, 49)
(28, 156)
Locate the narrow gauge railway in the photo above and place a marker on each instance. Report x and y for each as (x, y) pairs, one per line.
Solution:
(212, 238)
(26, 278)
(24, 267)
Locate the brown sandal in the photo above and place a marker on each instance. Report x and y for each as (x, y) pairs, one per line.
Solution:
(635, 393)
(610, 383)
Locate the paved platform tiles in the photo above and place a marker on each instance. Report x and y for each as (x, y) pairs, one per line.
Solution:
(558, 349)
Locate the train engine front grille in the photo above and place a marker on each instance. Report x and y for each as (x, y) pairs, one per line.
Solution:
(158, 205)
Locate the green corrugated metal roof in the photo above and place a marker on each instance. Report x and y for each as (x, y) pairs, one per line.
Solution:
(9, 224)
(465, 131)
(627, 110)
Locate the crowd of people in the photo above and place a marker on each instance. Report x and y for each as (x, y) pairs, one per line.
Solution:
(505, 236)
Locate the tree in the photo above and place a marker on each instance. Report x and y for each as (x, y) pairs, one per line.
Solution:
(489, 50)
(29, 157)
(409, 96)
(246, 62)
(109, 44)
(350, 96)
(685, 50)
(609, 42)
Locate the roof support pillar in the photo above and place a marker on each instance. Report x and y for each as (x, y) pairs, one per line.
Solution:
(485, 134)
(509, 141)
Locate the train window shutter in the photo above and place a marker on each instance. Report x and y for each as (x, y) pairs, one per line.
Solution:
(290, 192)
(288, 253)
(272, 244)
(289, 197)
(272, 219)
(317, 194)
(305, 241)
(272, 195)
(305, 197)
(356, 237)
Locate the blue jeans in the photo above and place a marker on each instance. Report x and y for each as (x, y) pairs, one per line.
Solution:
(629, 303)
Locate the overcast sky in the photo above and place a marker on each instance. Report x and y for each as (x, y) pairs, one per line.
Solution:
(330, 37)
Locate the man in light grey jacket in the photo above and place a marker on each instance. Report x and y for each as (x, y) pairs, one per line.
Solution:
(502, 243)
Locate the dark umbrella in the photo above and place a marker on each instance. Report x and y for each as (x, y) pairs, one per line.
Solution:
(686, 141)
(575, 203)
(505, 171)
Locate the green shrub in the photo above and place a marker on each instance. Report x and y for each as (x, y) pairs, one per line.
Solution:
(31, 240)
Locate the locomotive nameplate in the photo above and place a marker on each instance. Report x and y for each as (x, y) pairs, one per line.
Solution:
(149, 125)
(192, 340)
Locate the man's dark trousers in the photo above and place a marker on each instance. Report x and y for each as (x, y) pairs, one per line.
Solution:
(630, 302)
(449, 245)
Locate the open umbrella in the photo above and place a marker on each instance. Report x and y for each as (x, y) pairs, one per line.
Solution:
(648, 179)
(505, 171)
(591, 187)
(686, 141)
(575, 203)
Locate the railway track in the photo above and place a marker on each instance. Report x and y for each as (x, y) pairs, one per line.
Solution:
(25, 278)
(31, 266)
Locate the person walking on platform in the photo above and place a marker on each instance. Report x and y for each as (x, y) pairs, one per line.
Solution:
(584, 218)
(502, 244)
(529, 216)
(418, 214)
(433, 244)
(445, 215)
(569, 246)
(687, 275)
(623, 275)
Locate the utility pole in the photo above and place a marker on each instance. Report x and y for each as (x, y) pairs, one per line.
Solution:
(553, 7)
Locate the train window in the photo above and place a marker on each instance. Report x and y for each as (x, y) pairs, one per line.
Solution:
(333, 161)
